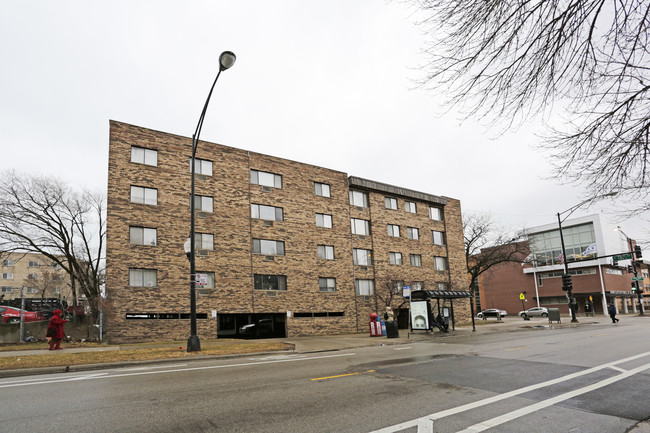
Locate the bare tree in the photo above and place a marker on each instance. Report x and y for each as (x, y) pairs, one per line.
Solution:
(42, 215)
(506, 60)
(487, 246)
(390, 293)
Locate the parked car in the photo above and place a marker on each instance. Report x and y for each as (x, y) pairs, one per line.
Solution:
(11, 315)
(261, 328)
(535, 312)
(491, 312)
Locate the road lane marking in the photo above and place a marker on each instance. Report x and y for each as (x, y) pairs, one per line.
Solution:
(482, 426)
(517, 348)
(506, 395)
(402, 348)
(343, 375)
(178, 370)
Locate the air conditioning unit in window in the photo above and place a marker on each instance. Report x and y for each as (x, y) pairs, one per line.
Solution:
(267, 189)
(363, 268)
(271, 293)
(201, 215)
(360, 208)
(365, 298)
(202, 253)
(200, 177)
(362, 237)
(268, 223)
(270, 258)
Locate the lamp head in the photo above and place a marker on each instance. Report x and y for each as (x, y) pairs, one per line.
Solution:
(226, 60)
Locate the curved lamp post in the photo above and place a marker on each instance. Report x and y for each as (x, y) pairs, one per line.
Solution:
(226, 60)
(569, 291)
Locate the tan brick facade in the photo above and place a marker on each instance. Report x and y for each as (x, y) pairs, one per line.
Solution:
(232, 260)
(36, 273)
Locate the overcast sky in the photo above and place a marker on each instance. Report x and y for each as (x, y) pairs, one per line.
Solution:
(329, 83)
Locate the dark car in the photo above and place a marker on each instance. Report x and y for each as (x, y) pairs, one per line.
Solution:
(491, 312)
(535, 311)
(11, 315)
(261, 328)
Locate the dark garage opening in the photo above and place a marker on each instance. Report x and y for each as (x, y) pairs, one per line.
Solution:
(249, 325)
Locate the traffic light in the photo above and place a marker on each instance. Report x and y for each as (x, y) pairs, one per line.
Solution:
(634, 289)
(630, 269)
(566, 282)
(637, 252)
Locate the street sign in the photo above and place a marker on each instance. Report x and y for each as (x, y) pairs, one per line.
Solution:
(201, 279)
(522, 296)
(637, 278)
(619, 257)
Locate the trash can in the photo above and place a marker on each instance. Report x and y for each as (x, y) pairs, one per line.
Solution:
(554, 315)
(391, 329)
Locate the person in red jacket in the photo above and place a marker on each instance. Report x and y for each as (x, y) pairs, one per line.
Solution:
(55, 330)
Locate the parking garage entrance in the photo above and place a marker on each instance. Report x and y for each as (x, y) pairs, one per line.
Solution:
(251, 325)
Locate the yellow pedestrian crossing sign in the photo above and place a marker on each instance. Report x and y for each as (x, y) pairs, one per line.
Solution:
(522, 296)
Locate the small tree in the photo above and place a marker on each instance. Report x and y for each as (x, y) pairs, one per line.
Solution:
(390, 293)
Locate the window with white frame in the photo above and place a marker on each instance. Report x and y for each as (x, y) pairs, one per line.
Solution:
(7, 262)
(143, 277)
(321, 189)
(391, 203)
(323, 220)
(364, 287)
(6, 289)
(442, 286)
(267, 213)
(32, 290)
(360, 227)
(415, 259)
(270, 282)
(362, 257)
(142, 195)
(410, 206)
(204, 241)
(395, 258)
(265, 178)
(140, 155)
(268, 247)
(33, 264)
(416, 285)
(438, 238)
(326, 284)
(201, 166)
(358, 198)
(57, 290)
(393, 230)
(435, 213)
(326, 252)
(7, 276)
(412, 233)
(32, 276)
(205, 280)
(143, 236)
(203, 203)
(440, 263)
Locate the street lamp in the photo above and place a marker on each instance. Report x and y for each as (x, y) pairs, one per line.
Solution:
(636, 282)
(226, 60)
(566, 278)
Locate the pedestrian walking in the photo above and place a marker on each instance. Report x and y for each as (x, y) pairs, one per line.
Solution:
(612, 313)
(55, 330)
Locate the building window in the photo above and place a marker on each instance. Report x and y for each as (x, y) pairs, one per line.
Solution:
(362, 257)
(440, 263)
(268, 247)
(613, 271)
(326, 252)
(140, 155)
(360, 227)
(57, 290)
(32, 276)
(435, 213)
(391, 203)
(201, 166)
(33, 264)
(7, 276)
(364, 287)
(56, 266)
(143, 236)
(417, 285)
(32, 290)
(143, 277)
(323, 220)
(327, 284)
(267, 213)
(358, 198)
(416, 259)
(412, 233)
(264, 178)
(6, 289)
(438, 238)
(410, 207)
(395, 258)
(205, 280)
(270, 282)
(442, 286)
(203, 241)
(144, 195)
(7, 262)
(203, 203)
(579, 241)
(321, 189)
(393, 230)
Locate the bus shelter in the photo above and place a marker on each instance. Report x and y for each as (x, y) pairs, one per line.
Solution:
(426, 305)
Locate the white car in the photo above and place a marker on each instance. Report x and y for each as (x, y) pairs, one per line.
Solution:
(535, 311)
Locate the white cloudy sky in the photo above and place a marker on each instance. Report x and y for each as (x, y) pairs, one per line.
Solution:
(325, 82)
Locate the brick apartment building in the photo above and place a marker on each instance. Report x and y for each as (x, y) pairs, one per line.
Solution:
(36, 273)
(596, 280)
(302, 246)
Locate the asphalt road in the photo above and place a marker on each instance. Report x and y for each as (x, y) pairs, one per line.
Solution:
(587, 379)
